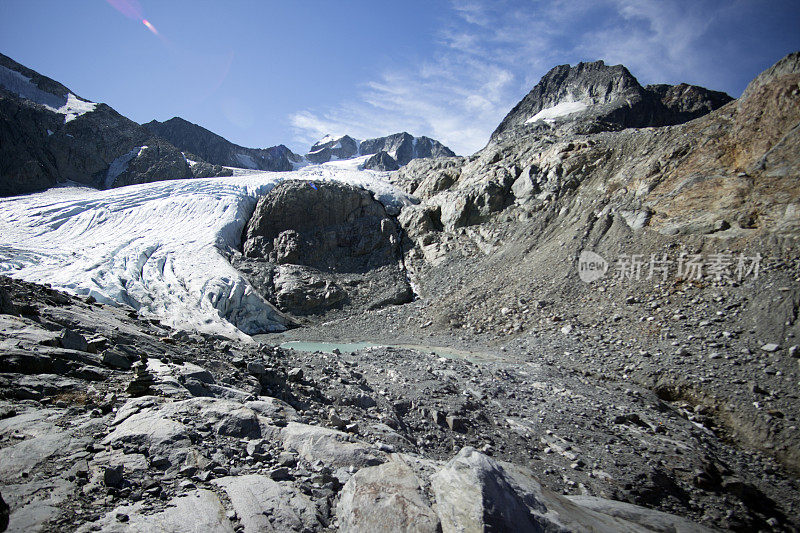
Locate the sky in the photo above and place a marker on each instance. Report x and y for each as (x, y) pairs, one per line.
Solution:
(268, 72)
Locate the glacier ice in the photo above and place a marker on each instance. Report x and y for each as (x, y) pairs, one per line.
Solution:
(159, 247)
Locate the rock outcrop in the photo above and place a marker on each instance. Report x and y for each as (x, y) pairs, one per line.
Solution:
(201, 143)
(310, 246)
(48, 135)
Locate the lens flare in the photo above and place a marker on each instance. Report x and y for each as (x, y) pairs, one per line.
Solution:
(150, 26)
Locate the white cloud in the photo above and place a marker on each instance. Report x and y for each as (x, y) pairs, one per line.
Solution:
(491, 52)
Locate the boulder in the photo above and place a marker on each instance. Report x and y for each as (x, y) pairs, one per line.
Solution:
(7, 307)
(72, 340)
(388, 498)
(266, 505)
(333, 448)
(476, 493)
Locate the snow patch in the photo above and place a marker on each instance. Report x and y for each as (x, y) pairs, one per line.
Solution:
(70, 105)
(561, 109)
(120, 165)
(159, 247)
(353, 163)
(75, 107)
(246, 161)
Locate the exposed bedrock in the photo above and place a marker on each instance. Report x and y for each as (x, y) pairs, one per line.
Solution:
(313, 246)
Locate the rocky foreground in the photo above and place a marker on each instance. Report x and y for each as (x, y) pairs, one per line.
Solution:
(112, 423)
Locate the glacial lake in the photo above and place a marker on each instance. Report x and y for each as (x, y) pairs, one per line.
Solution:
(351, 347)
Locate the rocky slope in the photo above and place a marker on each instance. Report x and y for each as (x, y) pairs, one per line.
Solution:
(389, 153)
(111, 423)
(217, 150)
(48, 136)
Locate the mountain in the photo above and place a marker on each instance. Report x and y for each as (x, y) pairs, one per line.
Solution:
(594, 97)
(721, 191)
(49, 135)
(598, 331)
(391, 152)
(215, 149)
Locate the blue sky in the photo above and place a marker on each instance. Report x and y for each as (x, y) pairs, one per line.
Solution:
(262, 73)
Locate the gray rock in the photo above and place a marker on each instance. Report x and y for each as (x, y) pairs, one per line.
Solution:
(476, 493)
(72, 340)
(386, 498)
(7, 307)
(208, 146)
(329, 148)
(613, 100)
(306, 240)
(116, 359)
(265, 505)
(198, 510)
(333, 448)
(648, 518)
(112, 476)
(100, 148)
(381, 161)
(295, 375)
(5, 512)
(770, 347)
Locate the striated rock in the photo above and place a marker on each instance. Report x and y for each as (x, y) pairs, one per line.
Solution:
(201, 509)
(266, 505)
(330, 446)
(388, 498)
(648, 518)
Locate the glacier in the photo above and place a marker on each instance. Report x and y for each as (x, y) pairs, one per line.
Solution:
(158, 247)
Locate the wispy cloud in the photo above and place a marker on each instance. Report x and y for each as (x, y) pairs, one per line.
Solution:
(491, 52)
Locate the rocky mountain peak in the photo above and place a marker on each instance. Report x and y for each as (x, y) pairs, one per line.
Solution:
(209, 146)
(390, 152)
(593, 97)
(49, 135)
(332, 147)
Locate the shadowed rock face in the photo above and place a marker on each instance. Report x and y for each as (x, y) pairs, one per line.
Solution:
(613, 100)
(381, 161)
(217, 150)
(42, 143)
(306, 240)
